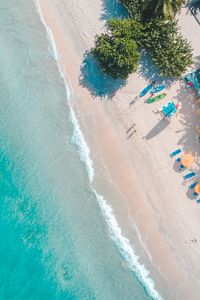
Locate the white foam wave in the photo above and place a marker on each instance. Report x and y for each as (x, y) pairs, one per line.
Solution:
(125, 248)
(84, 151)
(52, 45)
(122, 243)
(77, 137)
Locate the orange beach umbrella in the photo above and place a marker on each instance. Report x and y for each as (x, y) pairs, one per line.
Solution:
(197, 188)
(187, 160)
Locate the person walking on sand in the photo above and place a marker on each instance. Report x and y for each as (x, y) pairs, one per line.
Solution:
(131, 134)
(130, 128)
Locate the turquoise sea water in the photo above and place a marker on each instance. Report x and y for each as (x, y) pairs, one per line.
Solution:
(54, 242)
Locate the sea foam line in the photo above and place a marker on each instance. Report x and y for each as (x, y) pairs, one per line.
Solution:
(125, 248)
(78, 139)
(52, 45)
(83, 149)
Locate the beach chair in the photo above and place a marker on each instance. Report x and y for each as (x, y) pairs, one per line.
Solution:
(174, 153)
(168, 110)
(178, 160)
(181, 167)
(189, 175)
(192, 186)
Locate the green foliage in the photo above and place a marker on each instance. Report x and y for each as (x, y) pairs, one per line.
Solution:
(117, 52)
(117, 56)
(144, 10)
(165, 9)
(170, 51)
(126, 28)
(135, 8)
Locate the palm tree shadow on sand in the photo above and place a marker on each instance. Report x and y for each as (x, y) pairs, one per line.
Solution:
(113, 9)
(150, 72)
(99, 84)
(188, 118)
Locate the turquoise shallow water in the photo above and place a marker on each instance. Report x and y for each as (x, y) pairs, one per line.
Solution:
(54, 241)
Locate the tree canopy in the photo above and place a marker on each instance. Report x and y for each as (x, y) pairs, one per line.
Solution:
(117, 51)
(135, 8)
(165, 9)
(169, 50)
(126, 28)
(149, 9)
(117, 56)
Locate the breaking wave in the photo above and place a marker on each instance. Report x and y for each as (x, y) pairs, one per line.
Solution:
(122, 243)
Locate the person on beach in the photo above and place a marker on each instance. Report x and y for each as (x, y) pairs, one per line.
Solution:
(130, 128)
(131, 134)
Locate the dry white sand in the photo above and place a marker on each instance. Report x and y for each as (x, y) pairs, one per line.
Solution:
(151, 193)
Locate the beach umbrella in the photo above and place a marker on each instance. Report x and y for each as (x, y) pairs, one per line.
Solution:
(187, 160)
(197, 188)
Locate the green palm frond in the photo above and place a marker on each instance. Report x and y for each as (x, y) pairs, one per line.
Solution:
(165, 9)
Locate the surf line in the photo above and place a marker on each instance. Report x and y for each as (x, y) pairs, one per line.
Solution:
(122, 243)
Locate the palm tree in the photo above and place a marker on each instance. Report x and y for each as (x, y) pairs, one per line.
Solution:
(165, 9)
(195, 8)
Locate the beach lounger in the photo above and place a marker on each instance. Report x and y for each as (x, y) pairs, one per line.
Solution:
(168, 110)
(192, 186)
(189, 175)
(174, 153)
(181, 167)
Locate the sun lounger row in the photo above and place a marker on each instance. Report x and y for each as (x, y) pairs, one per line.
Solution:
(187, 176)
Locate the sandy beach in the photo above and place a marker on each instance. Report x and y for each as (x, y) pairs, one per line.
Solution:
(149, 196)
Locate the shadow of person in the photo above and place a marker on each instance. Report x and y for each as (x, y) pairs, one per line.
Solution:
(162, 124)
(98, 84)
